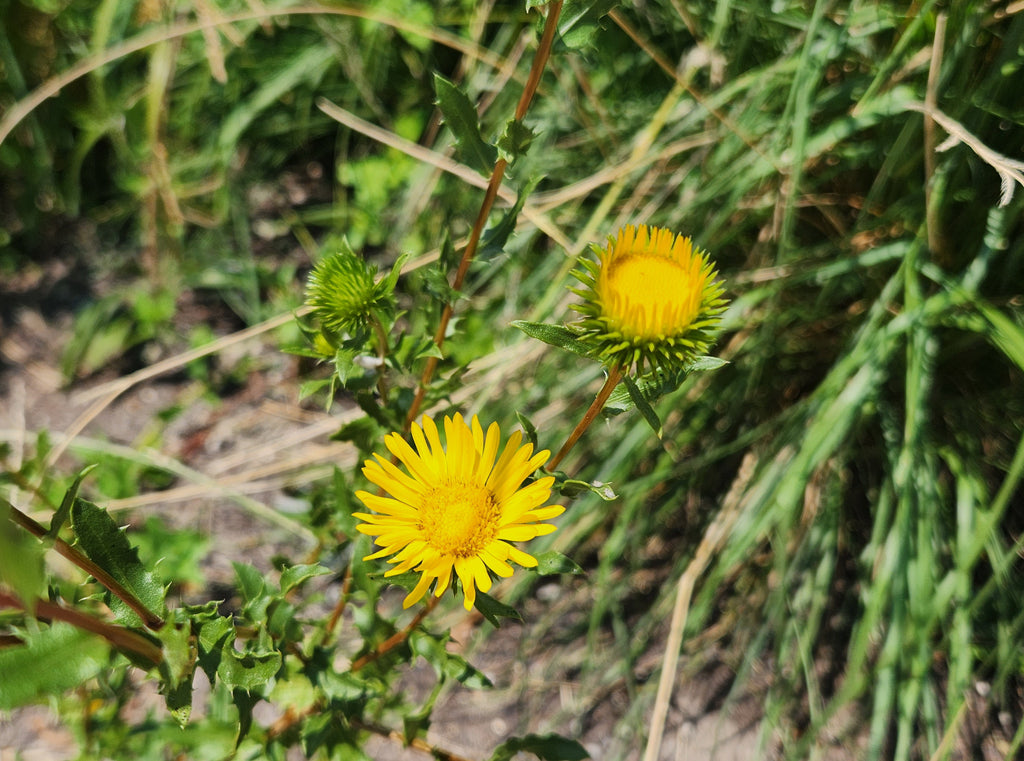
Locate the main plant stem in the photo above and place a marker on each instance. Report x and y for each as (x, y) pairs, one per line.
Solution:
(614, 376)
(497, 175)
(121, 638)
(150, 619)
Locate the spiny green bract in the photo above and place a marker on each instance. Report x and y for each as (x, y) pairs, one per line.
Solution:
(612, 347)
(344, 295)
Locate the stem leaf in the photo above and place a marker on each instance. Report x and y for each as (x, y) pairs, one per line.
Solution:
(52, 660)
(495, 238)
(643, 405)
(554, 563)
(555, 335)
(106, 545)
(545, 747)
(461, 118)
(493, 610)
(21, 559)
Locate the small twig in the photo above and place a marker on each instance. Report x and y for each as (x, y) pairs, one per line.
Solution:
(1010, 171)
(292, 717)
(346, 584)
(614, 376)
(417, 743)
(150, 619)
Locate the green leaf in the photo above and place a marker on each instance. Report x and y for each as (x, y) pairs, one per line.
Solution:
(701, 364)
(106, 545)
(213, 632)
(555, 335)
(51, 661)
(515, 140)
(336, 738)
(493, 610)
(529, 429)
(447, 258)
(294, 575)
(247, 671)
(251, 582)
(580, 21)
(177, 669)
(447, 665)
(571, 487)
(546, 747)
(553, 563)
(435, 282)
(391, 280)
(364, 432)
(653, 385)
(643, 405)
(244, 701)
(461, 118)
(429, 349)
(21, 559)
(494, 239)
(64, 511)
(345, 365)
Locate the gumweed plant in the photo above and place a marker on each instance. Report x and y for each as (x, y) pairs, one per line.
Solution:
(449, 505)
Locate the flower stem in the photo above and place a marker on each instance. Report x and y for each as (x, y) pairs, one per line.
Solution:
(382, 353)
(397, 638)
(614, 376)
(529, 90)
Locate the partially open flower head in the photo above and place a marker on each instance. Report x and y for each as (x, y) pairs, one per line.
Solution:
(456, 507)
(651, 298)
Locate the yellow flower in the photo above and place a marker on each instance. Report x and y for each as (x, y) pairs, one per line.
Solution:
(458, 507)
(650, 298)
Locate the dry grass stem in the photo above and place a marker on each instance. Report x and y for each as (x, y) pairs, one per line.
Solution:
(714, 538)
(1010, 171)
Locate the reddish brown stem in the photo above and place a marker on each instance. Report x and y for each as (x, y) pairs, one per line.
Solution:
(150, 619)
(346, 584)
(121, 638)
(614, 376)
(529, 90)
(397, 638)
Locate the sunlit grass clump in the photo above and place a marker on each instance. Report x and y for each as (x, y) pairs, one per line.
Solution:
(458, 507)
